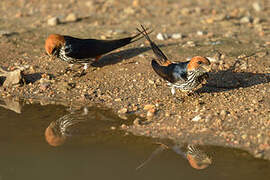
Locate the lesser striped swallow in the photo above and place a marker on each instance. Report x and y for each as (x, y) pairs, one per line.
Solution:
(186, 76)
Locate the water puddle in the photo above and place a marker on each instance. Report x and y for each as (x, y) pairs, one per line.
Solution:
(54, 142)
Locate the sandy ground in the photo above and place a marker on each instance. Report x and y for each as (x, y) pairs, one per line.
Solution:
(231, 110)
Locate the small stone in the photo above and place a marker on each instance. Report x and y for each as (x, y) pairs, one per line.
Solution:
(137, 122)
(244, 136)
(148, 107)
(151, 81)
(112, 127)
(196, 118)
(190, 44)
(53, 21)
(44, 85)
(201, 33)
(123, 126)
(71, 17)
(256, 21)
(122, 111)
(246, 19)
(150, 113)
(177, 36)
(129, 10)
(223, 113)
(5, 33)
(162, 37)
(117, 100)
(257, 7)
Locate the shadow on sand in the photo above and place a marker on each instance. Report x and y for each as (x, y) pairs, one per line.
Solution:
(229, 80)
(117, 57)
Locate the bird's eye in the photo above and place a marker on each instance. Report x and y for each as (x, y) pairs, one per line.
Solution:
(199, 62)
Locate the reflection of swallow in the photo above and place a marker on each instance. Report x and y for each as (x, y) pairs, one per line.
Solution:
(186, 76)
(83, 51)
(196, 158)
(57, 132)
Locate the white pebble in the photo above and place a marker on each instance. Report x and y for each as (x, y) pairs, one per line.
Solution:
(53, 21)
(196, 118)
(162, 37)
(177, 36)
(257, 7)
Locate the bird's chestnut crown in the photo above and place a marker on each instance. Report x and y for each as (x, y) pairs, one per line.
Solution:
(199, 63)
(53, 43)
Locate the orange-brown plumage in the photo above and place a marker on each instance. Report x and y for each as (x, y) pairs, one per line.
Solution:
(197, 158)
(198, 61)
(54, 41)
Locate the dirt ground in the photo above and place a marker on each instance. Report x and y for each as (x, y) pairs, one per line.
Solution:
(232, 109)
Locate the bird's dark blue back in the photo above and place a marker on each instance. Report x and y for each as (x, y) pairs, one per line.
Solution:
(173, 72)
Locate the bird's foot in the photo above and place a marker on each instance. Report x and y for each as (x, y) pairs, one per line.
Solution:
(68, 69)
(193, 93)
(173, 90)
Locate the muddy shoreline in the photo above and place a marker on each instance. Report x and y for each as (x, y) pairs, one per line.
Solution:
(231, 110)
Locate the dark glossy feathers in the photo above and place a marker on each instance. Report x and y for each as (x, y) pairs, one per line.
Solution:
(173, 73)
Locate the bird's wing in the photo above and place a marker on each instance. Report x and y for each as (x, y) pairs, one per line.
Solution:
(172, 73)
(158, 53)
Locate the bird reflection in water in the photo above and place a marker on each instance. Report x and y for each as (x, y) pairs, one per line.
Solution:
(58, 131)
(194, 155)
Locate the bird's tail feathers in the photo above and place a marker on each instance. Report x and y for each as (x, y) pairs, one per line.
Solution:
(138, 36)
(162, 71)
(163, 60)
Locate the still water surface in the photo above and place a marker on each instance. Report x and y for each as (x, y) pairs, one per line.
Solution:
(41, 143)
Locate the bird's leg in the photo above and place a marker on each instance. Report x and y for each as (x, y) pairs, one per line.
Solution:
(85, 66)
(172, 90)
(69, 68)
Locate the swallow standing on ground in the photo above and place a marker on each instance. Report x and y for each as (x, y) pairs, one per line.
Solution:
(83, 51)
(186, 76)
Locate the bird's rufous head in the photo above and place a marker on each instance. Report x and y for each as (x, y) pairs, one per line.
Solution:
(199, 63)
(53, 137)
(54, 43)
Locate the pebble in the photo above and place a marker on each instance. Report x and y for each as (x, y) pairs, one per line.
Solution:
(113, 128)
(5, 33)
(150, 113)
(162, 37)
(137, 122)
(71, 17)
(123, 126)
(201, 33)
(129, 10)
(223, 113)
(177, 36)
(148, 107)
(122, 111)
(257, 7)
(53, 21)
(190, 44)
(246, 19)
(196, 118)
